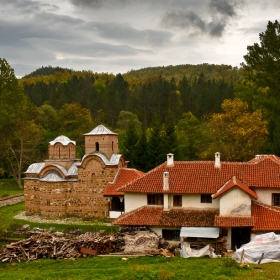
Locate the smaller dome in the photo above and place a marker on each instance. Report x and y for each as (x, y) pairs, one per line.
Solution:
(63, 140)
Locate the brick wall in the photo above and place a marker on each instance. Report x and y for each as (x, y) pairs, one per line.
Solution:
(81, 198)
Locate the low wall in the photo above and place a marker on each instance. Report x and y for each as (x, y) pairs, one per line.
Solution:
(10, 200)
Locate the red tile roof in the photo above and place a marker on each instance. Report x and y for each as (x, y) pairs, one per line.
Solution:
(202, 177)
(222, 221)
(157, 216)
(266, 217)
(234, 183)
(123, 177)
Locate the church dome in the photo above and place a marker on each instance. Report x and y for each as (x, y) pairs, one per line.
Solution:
(64, 140)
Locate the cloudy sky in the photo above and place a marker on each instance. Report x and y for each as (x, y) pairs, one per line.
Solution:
(116, 36)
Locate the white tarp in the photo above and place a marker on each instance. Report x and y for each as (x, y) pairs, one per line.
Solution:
(262, 248)
(201, 232)
(187, 252)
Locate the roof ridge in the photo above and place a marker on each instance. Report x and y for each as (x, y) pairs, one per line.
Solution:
(269, 207)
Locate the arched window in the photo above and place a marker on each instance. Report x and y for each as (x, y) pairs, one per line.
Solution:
(97, 146)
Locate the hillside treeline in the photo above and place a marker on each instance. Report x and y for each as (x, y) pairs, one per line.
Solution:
(147, 96)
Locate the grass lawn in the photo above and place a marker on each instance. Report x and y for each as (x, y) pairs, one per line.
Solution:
(9, 187)
(7, 214)
(137, 268)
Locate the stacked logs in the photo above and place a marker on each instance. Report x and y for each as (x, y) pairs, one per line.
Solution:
(48, 245)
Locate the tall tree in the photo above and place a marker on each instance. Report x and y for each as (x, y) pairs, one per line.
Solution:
(262, 73)
(17, 127)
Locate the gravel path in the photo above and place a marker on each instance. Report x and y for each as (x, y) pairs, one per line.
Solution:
(66, 221)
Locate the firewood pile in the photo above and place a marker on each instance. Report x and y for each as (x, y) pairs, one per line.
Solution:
(47, 245)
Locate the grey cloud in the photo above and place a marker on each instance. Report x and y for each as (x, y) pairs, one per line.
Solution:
(213, 24)
(29, 6)
(183, 19)
(99, 3)
(216, 28)
(125, 33)
(223, 7)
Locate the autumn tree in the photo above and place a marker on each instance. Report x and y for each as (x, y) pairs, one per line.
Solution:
(236, 133)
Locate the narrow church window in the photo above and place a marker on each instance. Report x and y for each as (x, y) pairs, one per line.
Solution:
(97, 146)
(112, 145)
(58, 152)
(69, 153)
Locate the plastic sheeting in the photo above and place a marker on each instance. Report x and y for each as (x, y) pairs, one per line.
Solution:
(262, 248)
(187, 252)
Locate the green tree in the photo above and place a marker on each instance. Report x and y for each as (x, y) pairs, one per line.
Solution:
(262, 76)
(8, 80)
(18, 130)
(130, 143)
(237, 134)
(74, 121)
(190, 136)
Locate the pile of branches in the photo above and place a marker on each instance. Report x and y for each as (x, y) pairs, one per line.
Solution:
(48, 245)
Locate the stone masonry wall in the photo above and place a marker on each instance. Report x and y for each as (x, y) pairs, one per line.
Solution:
(10, 200)
(82, 198)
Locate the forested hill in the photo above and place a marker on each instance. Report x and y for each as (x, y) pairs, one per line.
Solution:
(210, 71)
(149, 92)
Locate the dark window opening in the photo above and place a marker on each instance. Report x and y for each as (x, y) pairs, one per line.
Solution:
(48, 202)
(155, 199)
(171, 234)
(117, 205)
(69, 153)
(206, 198)
(177, 200)
(276, 199)
(59, 152)
(112, 146)
(97, 146)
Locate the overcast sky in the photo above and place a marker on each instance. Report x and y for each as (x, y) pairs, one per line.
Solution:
(116, 36)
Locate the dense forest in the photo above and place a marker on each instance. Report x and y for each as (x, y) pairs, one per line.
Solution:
(192, 111)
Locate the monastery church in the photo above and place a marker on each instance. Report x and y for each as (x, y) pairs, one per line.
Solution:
(64, 186)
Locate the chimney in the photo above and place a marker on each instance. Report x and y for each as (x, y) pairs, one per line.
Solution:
(170, 160)
(217, 160)
(166, 181)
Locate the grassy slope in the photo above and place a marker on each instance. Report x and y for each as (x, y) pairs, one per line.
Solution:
(9, 187)
(136, 268)
(7, 215)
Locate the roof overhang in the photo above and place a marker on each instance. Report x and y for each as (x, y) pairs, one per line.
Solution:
(203, 232)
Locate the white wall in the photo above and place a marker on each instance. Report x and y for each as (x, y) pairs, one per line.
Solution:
(134, 200)
(265, 195)
(235, 203)
(193, 201)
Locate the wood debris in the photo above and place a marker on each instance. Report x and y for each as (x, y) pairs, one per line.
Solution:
(47, 245)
